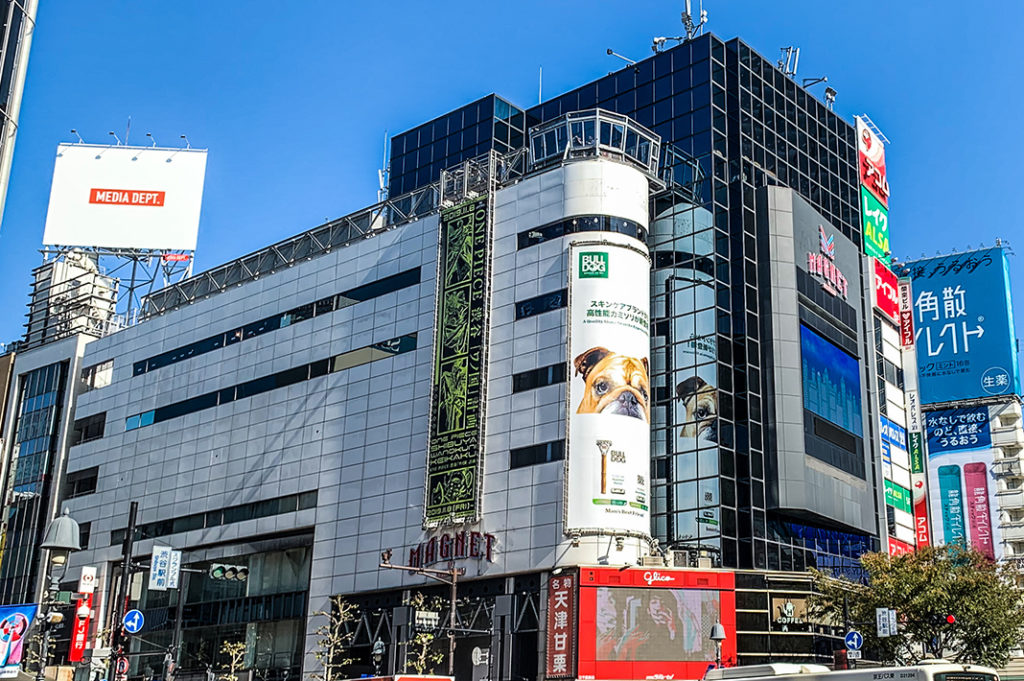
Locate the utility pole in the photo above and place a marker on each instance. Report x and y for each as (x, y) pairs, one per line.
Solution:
(117, 638)
(449, 577)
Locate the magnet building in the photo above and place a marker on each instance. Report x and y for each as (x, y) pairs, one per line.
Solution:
(614, 355)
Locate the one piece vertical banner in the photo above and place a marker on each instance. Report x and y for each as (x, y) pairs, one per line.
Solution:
(456, 436)
(609, 397)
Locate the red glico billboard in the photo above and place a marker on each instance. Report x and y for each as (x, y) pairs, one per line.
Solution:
(647, 623)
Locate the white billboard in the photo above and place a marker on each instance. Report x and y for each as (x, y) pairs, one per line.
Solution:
(609, 397)
(125, 197)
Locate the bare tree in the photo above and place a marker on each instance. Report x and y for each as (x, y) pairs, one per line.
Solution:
(236, 655)
(421, 657)
(334, 638)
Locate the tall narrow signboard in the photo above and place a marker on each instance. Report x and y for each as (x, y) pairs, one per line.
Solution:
(455, 447)
(609, 396)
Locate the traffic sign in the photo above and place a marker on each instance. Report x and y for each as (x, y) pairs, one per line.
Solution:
(121, 667)
(854, 640)
(853, 654)
(133, 621)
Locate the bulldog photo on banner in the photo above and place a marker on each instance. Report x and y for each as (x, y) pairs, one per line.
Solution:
(609, 394)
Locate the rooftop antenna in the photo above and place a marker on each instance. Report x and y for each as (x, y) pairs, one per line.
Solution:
(150, 136)
(188, 145)
(629, 61)
(693, 30)
(127, 130)
(75, 132)
(789, 61)
(382, 173)
(112, 134)
(540, 83)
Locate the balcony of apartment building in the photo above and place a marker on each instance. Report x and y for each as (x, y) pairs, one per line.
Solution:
(1010, 497)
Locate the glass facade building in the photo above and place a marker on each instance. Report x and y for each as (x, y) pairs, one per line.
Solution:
(741, 124)
(17, 21)
(36, 432)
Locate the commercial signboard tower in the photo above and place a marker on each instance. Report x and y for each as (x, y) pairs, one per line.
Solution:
(132, 211)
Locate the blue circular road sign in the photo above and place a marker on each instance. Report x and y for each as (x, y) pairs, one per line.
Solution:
(854, 640)
(133, 621)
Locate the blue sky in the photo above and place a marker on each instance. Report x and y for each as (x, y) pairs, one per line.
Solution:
(294, 105)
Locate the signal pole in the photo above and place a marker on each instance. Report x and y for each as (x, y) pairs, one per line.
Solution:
(449, 577)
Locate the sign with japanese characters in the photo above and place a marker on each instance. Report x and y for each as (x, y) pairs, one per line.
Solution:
(871, 154)
(455, 440)
(875, 224)
(965, 340)
(951, 430)
(961, 480)
(561, 629)
(608, 464)
(887, 295)
(906, 314)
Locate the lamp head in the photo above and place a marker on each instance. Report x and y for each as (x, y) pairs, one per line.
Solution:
(61, 538)
(717, 632)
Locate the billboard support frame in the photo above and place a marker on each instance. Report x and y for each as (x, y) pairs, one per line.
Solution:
(139, 271)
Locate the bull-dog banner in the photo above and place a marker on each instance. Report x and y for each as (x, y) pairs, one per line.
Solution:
(609, 397)
(455, 451)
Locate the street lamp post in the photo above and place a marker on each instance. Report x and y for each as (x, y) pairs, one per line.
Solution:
(449, 577)
(60, 540)
(718, 635)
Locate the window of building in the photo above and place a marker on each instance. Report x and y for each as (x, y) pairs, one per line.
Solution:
(541, 304)
(97, 375)
(88, 428)
(84, 535)
(81, 482)
(305, 372)
(535, 454)
(301, 313)
(231, 514)
(537, 378)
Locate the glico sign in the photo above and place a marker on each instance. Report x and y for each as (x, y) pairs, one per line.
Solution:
(823, 267)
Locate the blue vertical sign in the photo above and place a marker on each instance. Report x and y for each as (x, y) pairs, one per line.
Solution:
(963, 319)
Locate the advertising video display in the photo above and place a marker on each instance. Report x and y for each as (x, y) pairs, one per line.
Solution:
(609, 396)
(656, 624)
(965, 340)
(831, 382)
(961, 481)
(652, 624)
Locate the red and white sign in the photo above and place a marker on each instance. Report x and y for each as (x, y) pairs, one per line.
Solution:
(921, 517)
(887, 294)
(80, 629)
(645, 623)
(906, 314)
(125, 197)
(898, 548)
(561, 630)
(871, 152)
(87, 580)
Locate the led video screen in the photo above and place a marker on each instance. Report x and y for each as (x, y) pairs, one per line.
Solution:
(656, 624)
(831, 382)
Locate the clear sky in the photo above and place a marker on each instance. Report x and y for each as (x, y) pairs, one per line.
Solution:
(293, 99)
